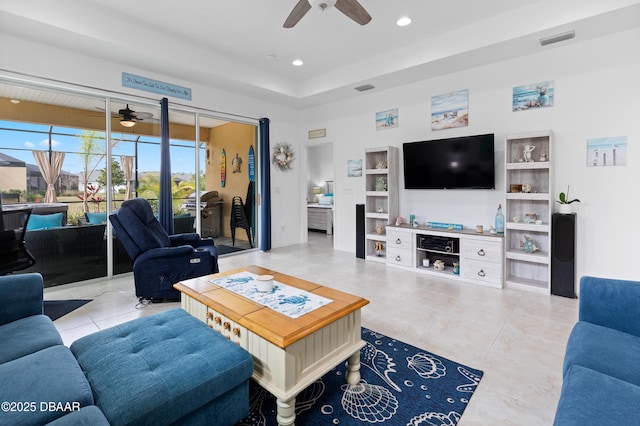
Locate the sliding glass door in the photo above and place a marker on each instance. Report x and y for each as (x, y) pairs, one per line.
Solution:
(96, 152)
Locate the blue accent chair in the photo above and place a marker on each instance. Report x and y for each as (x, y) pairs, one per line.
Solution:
(601, 372)
(160, 260)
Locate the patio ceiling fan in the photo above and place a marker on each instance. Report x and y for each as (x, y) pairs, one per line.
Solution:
(129, 117)
(351, 8)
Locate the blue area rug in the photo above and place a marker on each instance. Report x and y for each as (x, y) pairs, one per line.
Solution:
(400, 385)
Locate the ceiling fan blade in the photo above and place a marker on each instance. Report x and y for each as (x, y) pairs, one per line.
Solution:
(141, 115)
(297, 13)
(354, 10)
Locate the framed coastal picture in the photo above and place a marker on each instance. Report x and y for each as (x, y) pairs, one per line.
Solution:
(611, 151)
(532, 96)
(354, 168)
(387, 119)
(450, 110)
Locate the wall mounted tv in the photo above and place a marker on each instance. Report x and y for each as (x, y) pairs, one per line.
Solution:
(457, 163)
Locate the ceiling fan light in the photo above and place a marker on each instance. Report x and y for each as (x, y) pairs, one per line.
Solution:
(127, 122)
(403, 22)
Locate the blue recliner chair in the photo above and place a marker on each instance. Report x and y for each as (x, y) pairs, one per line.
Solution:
(160, 260)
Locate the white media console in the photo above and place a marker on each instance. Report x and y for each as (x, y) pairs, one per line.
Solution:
(478, 255)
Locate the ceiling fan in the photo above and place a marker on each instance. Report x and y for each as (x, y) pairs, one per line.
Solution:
(351, 8)
(129, 117)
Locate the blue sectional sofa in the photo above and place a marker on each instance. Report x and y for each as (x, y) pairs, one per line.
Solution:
(167, 368)
(601, 372)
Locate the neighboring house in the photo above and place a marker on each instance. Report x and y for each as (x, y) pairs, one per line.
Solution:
(16, 174)
(13, 173)
(67, 181)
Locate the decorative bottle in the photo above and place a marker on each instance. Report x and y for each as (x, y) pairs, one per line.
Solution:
(499, 220)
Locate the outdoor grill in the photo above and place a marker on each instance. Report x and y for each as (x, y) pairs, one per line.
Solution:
(210, 208)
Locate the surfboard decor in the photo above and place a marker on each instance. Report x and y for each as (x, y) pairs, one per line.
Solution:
(252, 164)
(223, 168)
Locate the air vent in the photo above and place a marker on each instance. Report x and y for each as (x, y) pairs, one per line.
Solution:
(557, 38)
(365, 87)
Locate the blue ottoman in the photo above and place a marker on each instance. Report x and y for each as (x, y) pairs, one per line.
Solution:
(166, 368)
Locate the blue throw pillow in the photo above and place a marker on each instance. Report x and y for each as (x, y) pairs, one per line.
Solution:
(45, 221)
(96, 218)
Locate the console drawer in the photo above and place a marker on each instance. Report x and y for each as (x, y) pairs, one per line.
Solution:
(397, 256)
(482, 250)
(483, 271)
(399, 240)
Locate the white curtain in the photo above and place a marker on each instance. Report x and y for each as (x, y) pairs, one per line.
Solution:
(50, 171)
(127, 168)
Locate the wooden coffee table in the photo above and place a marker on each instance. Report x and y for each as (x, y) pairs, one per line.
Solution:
(289, 354)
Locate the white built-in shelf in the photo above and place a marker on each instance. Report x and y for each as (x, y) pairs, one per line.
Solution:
(528, 271)
(530, 165)
(376, 201)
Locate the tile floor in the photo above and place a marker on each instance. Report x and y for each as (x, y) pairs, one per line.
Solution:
(518, 338)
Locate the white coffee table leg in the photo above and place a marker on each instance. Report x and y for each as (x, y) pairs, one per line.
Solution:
(353, 368)
(286, 412)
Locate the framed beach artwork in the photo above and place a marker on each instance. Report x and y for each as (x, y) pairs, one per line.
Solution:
(611, 151)
(532, 96)
(387, 119)
(450, 110)
(354, 168)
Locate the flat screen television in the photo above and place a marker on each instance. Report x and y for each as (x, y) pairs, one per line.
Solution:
(456, 163)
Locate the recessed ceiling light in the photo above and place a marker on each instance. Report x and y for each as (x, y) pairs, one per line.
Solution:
(297, 62)
(271, 57)
(15, 101)
(403, 22)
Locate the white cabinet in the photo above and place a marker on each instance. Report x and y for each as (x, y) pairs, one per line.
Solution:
(400, 244)
(320, 218)
(528, 209)
(381, 206)
(482, 261)
(478, 256)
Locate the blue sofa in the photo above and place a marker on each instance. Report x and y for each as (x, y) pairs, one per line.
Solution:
(167, 368)
(601, 372)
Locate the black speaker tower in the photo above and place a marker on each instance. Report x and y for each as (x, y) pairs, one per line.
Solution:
(563, 255)
(360, 232)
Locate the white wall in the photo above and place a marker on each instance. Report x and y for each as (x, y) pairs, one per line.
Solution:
(24, 57)
(596, 94)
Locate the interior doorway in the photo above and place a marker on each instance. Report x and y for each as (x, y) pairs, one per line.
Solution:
(320, 190)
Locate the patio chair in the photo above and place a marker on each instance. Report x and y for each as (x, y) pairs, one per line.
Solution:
(160, 260)
(14, 256)
(239, 220)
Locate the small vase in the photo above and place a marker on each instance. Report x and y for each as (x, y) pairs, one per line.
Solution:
(565, 209)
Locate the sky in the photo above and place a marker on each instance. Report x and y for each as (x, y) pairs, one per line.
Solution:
(35, 137)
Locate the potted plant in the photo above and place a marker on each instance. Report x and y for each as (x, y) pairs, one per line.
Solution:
(565, 202)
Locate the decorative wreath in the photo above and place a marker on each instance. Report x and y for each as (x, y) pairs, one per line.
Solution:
(282, 156)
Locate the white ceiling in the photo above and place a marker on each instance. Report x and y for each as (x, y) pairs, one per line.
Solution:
(225, 43)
